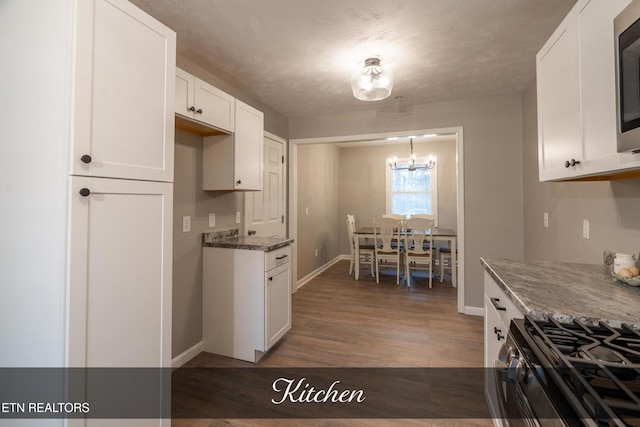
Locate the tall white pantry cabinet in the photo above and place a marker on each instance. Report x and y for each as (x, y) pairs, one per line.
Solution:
(86, 177)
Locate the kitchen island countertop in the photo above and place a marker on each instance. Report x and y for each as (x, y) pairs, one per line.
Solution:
(231, 240)
(566, 291)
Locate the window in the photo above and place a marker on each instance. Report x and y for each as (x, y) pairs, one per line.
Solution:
(412, 192)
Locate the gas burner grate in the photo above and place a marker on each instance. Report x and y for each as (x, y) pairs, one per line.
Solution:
(599, 364)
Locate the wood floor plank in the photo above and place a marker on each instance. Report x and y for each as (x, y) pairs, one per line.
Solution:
(341, 322)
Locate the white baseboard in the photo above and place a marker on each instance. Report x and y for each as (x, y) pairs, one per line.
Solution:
(319, 270)
(184, 357)
(474, 311)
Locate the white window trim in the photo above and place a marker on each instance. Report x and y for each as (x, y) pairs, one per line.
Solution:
(434, 186)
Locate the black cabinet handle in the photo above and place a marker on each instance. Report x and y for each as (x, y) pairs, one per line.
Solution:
(271, 279)
(281, 257)
(84, 192)
(500, 337)
(192, 109)
(496, 330)
(86, 159)
(238, 182)
(199, 111)
(495, 301)
(571, 162)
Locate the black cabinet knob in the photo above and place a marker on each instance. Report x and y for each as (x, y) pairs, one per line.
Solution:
(199, 111)
(192, 109)
(238, 182)
(496, 330)
(84, 192)
(571, 162)
(86, 159)
(500, 337)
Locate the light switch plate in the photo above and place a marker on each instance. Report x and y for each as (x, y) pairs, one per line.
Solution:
(585, 228)
(546, 220)
(186, 224)
(237, 217)
(212, 220)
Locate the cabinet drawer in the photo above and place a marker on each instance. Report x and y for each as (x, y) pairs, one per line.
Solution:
(277, 257)
(507, 309)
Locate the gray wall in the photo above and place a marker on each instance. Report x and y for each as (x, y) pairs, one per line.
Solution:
(492, 169)
(318, 192)
(190, 200)
(611, 207)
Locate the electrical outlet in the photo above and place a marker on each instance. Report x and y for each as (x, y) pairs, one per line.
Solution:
(237, 217)
(212, 220)
(316, 252)
(546, 220)
(186, 224)
(585, 228)
(306, 210)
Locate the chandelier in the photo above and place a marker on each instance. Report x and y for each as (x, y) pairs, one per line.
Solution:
(372, 82)
(430, 162)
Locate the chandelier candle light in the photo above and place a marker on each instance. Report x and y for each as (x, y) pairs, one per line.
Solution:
(429, 163)
(372, 82)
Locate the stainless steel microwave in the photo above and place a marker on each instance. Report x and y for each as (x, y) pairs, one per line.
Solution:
(626, 28)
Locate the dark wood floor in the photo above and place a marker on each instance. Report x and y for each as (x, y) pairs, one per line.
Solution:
(341, 322)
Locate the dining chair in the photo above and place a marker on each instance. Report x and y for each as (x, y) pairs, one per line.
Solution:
(387, 236)
(418, 253)
(367, 251)
(399, 217)
(431, 217)
(446, 263)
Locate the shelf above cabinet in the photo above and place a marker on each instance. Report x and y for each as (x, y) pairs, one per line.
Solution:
(192, 126)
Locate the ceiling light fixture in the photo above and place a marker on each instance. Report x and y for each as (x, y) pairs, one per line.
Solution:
(372, 82)
(429, 163)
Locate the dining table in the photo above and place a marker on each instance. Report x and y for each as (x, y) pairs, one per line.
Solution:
(439, 235)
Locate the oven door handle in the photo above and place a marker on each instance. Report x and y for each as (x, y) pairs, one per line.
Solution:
(500, 373)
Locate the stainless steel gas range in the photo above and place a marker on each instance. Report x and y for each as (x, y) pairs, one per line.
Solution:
(556, 374)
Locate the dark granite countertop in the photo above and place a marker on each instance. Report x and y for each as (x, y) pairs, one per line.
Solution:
(566, 291)
(231, 240)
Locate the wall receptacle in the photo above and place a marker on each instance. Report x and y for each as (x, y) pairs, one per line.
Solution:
(237, 217)
(212, 220)
(546, 220)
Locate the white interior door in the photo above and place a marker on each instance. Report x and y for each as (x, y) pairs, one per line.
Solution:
(264, 210)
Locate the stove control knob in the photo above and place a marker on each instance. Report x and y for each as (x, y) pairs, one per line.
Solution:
(518, 371)
(507, 354)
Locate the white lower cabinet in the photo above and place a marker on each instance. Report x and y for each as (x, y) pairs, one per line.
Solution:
(120, 273)
(499, 311)
(246, 300)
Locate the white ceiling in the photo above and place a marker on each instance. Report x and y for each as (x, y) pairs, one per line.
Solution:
(297, 56)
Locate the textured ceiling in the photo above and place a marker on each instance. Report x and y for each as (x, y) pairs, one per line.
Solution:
(297, 56)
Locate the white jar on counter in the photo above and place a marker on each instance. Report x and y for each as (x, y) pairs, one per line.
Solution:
(623, 261)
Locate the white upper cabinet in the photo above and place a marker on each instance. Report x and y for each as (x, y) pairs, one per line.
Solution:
(234, 162)
(198, 100)
(124, 78)
(577, 96)
(558, 78)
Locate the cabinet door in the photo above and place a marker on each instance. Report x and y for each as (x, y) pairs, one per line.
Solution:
(214, 107)
(248, 148)
(558, 80)
(124, 93)
(184, 102)
(277, 304)
(120, 273)
(492, 345)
